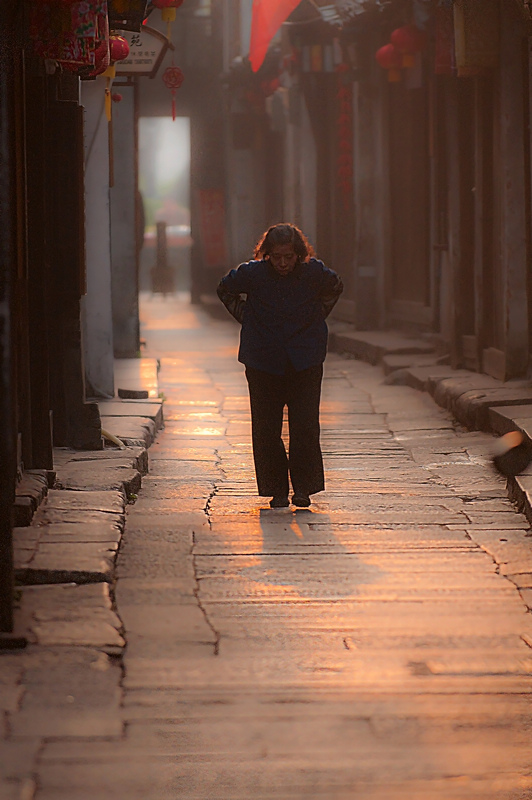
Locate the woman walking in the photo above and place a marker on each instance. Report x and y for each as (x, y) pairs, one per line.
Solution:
(281, 300)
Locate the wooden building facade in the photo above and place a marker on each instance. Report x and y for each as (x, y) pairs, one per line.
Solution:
(416, 189)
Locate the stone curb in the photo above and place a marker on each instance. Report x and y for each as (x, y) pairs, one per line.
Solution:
(70, 524)
(74, 538)
(477, 401)
(30, 493)
(373, 346)
(72, 615)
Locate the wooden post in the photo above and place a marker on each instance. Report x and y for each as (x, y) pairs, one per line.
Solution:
(8, 268)
(510, 358)
(36, 101)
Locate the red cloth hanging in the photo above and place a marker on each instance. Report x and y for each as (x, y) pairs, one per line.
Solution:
(267, 18)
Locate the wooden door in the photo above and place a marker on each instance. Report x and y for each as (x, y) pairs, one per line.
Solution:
(409, 170)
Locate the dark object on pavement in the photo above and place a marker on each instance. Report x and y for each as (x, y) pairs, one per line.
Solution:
(133, 394)
(162, 275)
(512, 453)
(10, 641)
(301, 500)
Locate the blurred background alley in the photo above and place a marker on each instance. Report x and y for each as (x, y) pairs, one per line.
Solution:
(163, 632)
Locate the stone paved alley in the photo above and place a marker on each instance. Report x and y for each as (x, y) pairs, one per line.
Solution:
(373, 647)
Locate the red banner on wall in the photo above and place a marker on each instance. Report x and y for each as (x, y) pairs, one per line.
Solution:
(211, 204)
(268, 16)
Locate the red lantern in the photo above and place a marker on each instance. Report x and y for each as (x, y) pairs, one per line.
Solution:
(173, 78)
(116, 97)
(168, 8)
(391, 59)
(118, 47)
(408, 40)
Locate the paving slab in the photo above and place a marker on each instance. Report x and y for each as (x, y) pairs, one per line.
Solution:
(69, 692)
(520, 490)
(108, 475)
(511, 418)
(137, 374)
(74, 536)
(473, 408)
(111, 501)
(133, 457)
(371, 346)
(71, 615)
(151, 409)
(425, 377)
(81, 564)
(131, 430)
(34, 486)
(42, 551)
(378, 645)
(392, 363)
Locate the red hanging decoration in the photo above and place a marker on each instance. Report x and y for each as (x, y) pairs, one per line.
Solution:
(118, 47)
(168, 9)
(391, 59)
(173, 78)
(408, 40)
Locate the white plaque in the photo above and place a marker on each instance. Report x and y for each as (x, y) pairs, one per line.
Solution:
(147, 49)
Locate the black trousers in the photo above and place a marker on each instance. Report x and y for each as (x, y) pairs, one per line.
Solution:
(269, 394)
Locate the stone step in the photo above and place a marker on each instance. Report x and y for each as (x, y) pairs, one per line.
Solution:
(31, 490)
(372, 346)
(151, 409)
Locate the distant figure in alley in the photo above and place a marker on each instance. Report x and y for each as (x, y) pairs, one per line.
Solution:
(282, 299)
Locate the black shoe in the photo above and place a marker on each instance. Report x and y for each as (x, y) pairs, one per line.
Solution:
(301, 500)
(279, 501)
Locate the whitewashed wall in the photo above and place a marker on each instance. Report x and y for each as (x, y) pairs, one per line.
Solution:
(97, 322)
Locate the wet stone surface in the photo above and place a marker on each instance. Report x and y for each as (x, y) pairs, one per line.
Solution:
(373, 646)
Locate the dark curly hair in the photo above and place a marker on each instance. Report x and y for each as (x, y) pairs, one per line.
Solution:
(284, 233)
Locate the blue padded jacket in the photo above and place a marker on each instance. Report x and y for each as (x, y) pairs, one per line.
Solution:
(282, 316)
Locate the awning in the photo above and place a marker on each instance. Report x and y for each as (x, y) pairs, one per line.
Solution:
(342, 12)
(351, 14)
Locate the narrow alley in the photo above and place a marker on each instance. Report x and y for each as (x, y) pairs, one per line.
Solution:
(367, 647)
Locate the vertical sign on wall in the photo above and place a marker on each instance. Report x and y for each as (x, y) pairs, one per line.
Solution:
(212, 227)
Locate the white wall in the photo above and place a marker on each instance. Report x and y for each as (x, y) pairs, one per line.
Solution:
(245, 25)
(123, 229)
(97, 322)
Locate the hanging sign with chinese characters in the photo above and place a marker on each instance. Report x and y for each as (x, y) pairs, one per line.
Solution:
(146, 52)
